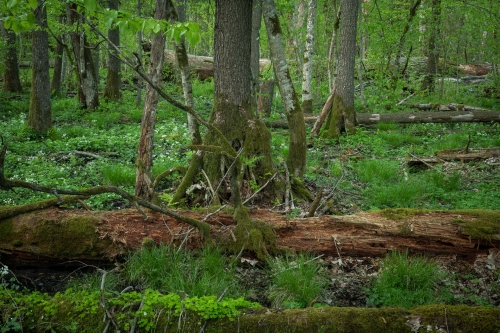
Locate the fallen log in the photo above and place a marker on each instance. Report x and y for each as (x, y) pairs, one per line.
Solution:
(366, 119)
(56, 234)
(447, 107)
(203, 67)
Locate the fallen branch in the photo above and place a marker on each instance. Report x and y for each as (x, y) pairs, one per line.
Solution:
(6, 184)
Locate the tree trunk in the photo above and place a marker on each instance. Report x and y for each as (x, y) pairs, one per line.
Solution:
(87, 80)
(51, 233)
(187, 88)
(113, 78)
(342, 116)
(429, 83)
(332, 50)
(307, 68)
(296, 160)
(255, 56)
(266, 95)
(402, 40)
(40, 113)
(368, 119)
(163, 11)
(11, 80)
(55, 84)
(138, 100)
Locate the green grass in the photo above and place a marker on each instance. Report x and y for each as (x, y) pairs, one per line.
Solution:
(406, 281)
(166, 268)
(297, 281)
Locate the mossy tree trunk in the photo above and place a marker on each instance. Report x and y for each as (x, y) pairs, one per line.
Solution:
(113, 78)
(296, 160)
(40, 112)
(143, 181)
(11, 80)
(342, 116)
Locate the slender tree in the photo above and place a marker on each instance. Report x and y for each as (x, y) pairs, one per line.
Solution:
(255, 57)
(307, 66)
(55, 84)
(296, 160)
(113, 78)
(11, 80)
(143, 189)
(87, 80)
(343, 115)
(433, 51)
(40, 113)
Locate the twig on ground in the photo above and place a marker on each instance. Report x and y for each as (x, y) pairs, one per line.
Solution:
(260, 189)
(184, 240)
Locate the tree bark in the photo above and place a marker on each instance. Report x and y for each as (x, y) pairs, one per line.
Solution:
(342, 116)
(40, 112)
(332, 50)
(138, 99)
(266, 95)
(11, 80)
(187, 88)
(163, 11)
(113, 78)
(296, 160)
(86, 73)
(429, 83)
(307, 67)
(255, 56)
(368, 119)
(55, 84)
(38, 234)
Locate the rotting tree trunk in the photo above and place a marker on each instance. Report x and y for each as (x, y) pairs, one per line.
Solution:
(40, 111)
(39, 234)
(342, 116)
(144, 164)
(307, 96)
(296, 160)
(113, 78)
(367, 119)
(11, 80)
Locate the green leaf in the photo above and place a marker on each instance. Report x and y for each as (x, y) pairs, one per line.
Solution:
(11, 4)
(30, 19)
(33, 4)
(90, 5)
(157, 28)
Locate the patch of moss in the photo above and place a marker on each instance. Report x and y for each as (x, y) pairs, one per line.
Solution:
(300, 191)
(485, 226)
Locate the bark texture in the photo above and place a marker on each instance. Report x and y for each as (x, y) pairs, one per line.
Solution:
(342, 116)
(433, 51)
(374, 234)
(187, 88)
(307, 66)
(40, 112)
(254, 59)
(296, 160)
(55, 84)
(113, 78)
(11, 80)
(163, 11)
(86, 73)
(367, 119)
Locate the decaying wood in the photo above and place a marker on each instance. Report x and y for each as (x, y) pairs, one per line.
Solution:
(366, 119)
(447, 107)
(203, 67)
(462, 155)
(362, 234)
